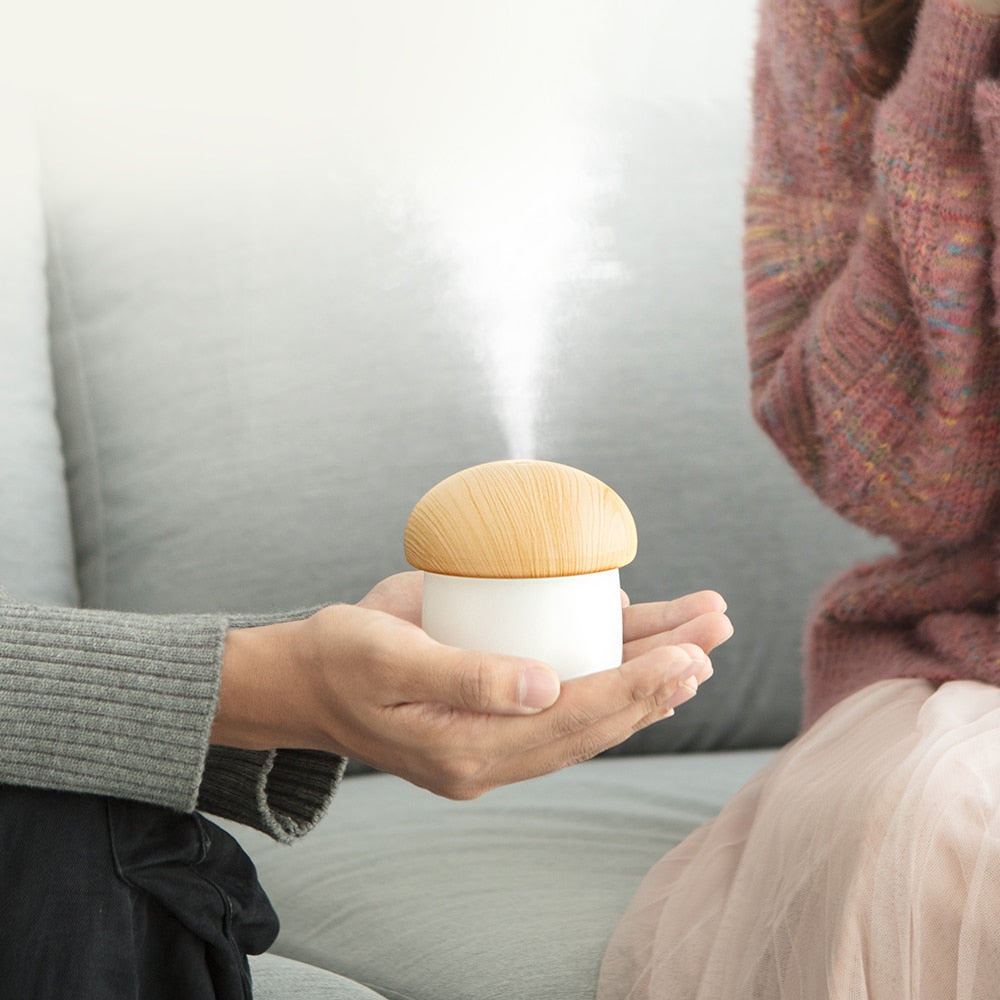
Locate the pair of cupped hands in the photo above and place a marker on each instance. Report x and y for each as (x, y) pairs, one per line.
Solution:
(365, 681)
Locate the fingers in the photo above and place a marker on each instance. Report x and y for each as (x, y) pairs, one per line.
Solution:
(706, 632)
(492, 684)
(612, 705)
(462, 754)
(597, 712)
(398, 595)
(642, 620)
(406, 666)
(487, 683)
(506, 685)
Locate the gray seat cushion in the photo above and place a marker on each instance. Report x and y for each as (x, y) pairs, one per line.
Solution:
(278, 978)
(512, 895)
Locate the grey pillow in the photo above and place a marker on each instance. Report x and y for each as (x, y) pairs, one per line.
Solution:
(36, 551)
(277, 323)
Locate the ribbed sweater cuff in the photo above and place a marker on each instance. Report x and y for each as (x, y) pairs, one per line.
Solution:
(953, 49)
(108, 703)
(293, 788)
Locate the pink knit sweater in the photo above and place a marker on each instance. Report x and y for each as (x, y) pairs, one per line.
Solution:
(872, 292)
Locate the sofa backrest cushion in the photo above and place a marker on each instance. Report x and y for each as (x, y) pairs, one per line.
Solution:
(36, 550)
(286, 303)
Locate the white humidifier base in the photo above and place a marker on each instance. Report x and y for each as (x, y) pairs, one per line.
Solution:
(573, 623)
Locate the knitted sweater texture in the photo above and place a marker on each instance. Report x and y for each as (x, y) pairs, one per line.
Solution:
(872, 289)
(122, 704)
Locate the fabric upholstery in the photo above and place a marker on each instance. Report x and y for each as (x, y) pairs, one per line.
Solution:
(277, 978)
(512, 895)
(283, 312)
(36, 554)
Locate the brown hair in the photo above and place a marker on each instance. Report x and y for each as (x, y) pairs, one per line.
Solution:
(887, 26)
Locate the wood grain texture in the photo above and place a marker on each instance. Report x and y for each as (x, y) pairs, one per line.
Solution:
(520, 519)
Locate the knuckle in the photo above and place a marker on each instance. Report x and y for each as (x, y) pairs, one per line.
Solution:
(587, 749)
(662, 699)
(463, 779)
(466, 793)
(575, 719)
(589, 739)
(476, 682)
(602, 736)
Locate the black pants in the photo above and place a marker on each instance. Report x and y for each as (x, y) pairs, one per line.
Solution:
(103, 899)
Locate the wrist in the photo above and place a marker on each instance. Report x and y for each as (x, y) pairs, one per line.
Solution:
(253, 710)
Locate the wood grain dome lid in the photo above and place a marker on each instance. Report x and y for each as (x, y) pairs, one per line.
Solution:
(520, 519)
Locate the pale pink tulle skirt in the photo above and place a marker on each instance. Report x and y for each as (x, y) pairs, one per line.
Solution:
(863, 862)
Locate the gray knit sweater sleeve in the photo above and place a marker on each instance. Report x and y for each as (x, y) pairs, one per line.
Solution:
(121, 704)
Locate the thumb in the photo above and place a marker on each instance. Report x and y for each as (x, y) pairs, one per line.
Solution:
(494, 683)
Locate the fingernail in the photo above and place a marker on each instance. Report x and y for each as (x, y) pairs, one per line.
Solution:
(696, 673)
(538, 688)
(699, 671)
(684, 691)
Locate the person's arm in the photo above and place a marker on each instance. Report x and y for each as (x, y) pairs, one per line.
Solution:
(125, 705)
(122, 705)
(874, 355)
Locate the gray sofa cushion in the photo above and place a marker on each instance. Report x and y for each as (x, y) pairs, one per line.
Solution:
(513, 895)
(253, 382)
(279, 318)
(278, 978)
(36, 553)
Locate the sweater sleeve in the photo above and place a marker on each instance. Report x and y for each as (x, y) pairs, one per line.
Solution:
(874, 357)
(121, 704)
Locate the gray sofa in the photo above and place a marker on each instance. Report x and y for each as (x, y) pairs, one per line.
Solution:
(268, 275)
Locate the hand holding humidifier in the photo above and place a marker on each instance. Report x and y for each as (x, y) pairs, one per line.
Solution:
(523, 558)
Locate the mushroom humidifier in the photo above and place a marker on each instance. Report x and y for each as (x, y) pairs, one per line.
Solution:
(523, 558)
